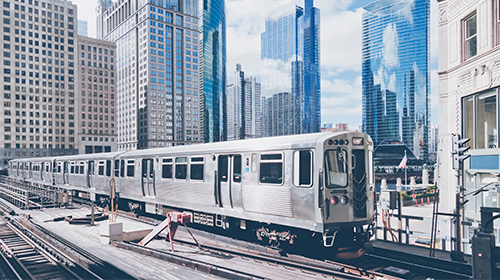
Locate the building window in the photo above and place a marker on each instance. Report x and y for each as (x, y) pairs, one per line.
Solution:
(480, 114)
(470, 27)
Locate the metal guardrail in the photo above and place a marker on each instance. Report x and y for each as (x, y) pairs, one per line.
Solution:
(27, 194)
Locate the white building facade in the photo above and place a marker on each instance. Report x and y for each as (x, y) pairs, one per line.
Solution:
(38, 104)
(469, 85)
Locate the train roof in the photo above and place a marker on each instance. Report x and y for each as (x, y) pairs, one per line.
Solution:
(71, 157)
(258, 144)
(246, 145)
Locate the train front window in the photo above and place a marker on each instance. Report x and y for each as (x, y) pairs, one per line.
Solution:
(336, 168)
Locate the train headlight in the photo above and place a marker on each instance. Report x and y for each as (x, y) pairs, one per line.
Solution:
(344, 200)
(335, 142)
(341, 142)
(330, 142)
(334, 200)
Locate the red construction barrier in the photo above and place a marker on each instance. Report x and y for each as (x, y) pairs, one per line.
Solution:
(171, 222)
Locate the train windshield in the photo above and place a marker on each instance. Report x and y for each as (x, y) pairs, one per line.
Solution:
(336, 168)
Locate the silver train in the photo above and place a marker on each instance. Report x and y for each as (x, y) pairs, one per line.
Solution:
(318, 184)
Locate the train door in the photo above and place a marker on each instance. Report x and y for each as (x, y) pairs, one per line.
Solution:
(228, 187)
(65, 173)
(90, 173)
(148, 177)
(30, 172)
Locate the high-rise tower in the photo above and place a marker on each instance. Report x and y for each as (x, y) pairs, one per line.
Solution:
(213, 71)
(396, 73)
(290, 61)
(157, 70)
(243, 107)
(39, 82)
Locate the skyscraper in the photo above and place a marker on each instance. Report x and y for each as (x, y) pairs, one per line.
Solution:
(39, 79)
(97, 95)
(213, 71)
(157, 69)
(290, 53)
(243, 107)
(395, 70)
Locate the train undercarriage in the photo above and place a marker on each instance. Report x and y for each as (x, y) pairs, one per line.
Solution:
(346, 242)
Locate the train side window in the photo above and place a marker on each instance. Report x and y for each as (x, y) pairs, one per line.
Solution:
(100, 168)
(271, 168)
(302, 173)
(117, 168)
(122, 168)
(237, 169)
(181, 168)
(108, 168)
(166, 168)
(72, 168)
(197, 168)
(130, 168)
(82, 167)
(59, 164)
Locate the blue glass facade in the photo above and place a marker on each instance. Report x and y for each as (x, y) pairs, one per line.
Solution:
(290, 59)
(213, 98)
(395, 69)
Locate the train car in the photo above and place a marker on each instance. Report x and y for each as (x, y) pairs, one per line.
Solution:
(282, 187)
(86, 174)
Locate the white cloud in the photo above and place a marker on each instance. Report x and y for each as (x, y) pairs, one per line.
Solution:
(341, 40)
(341, 101)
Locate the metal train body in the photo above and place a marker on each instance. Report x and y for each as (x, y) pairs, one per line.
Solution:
(322, 183)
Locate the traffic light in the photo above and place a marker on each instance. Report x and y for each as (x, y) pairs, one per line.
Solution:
(485, 256)
(458, 151)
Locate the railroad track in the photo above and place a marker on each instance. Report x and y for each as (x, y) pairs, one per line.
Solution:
(305, 266)
(28, 259)
(380, 263)
(63, 254)
(420, 265)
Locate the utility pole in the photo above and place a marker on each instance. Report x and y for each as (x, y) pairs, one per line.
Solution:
(459, 156)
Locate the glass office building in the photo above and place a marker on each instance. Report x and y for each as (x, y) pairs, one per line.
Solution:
(290, 53)
(395, 69)
(213, 73)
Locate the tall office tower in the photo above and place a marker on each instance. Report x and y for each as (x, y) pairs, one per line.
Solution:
(290, 53)
(278, 114)
(157, 70)
(243, 107)
(252, 108)
(97, 82)
(213, 73)
(395, 73)
(38, 104)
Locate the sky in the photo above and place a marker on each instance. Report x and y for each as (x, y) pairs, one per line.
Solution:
(340, 50)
